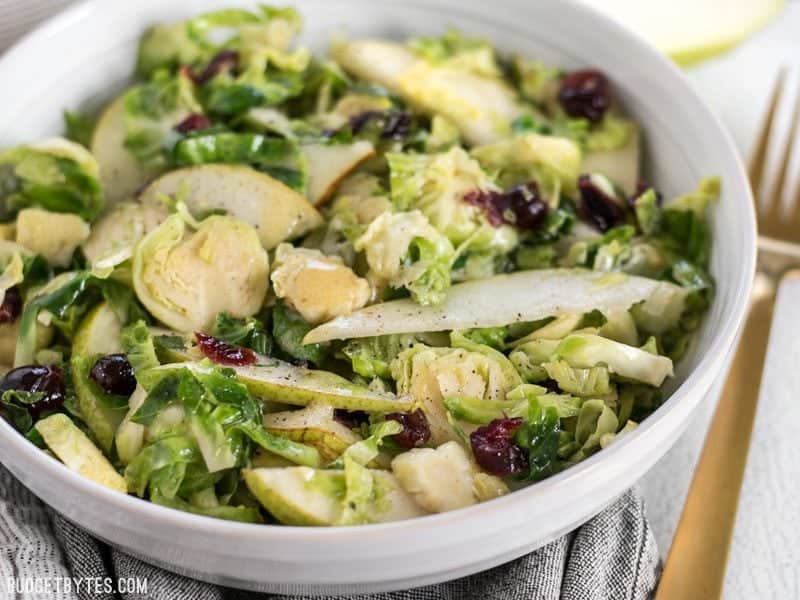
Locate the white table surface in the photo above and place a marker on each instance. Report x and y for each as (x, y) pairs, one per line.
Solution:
(765, 555)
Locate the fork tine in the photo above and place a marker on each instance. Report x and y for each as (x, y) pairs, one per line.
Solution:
(779, 141)
(790, 192)
(759, 155)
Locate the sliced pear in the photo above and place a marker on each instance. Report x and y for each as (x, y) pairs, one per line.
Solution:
(328, 164)
(504, 299)
(78, 452)
(9, 332)
(282, 382)
(705, 28)
(120, 171)
(277, 212)
(115, 235)
(53, 235)
(481, 107)
(298, 495)
(129, 437)
(621, 166)
(98, 335)
(315, 426)
(377, 61)
(8, 232)
(305, 496)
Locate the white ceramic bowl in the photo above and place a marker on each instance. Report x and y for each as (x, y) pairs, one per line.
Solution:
(86, 54)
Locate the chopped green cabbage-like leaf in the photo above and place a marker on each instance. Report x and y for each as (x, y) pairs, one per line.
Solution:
(435, 184)
(280, 158)
(152, 110)
(553, 162)
(372, 357)
(589, 382)
(57, 175)
(405, 251)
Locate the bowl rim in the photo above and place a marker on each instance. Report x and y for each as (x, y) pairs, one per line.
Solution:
(722, 341)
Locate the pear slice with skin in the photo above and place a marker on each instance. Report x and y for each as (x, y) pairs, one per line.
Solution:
(513, 298)
(282, 382)
(78, 452)
(277, 212)
(97, 335)
(328, 164)
(120, 171)
(314, 497)
(314, 426)
(690, 31)
(274, 380)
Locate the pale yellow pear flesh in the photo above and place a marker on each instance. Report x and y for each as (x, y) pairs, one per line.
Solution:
(621, 165)
(120, 171)
(328, 164)
(282, 382)
(277, 212)
(315, 426)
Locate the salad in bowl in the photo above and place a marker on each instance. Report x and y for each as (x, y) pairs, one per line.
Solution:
(397, 280)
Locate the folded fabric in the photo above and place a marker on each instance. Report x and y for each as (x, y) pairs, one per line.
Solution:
(613, 556)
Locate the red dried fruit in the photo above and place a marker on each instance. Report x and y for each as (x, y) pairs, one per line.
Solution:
(194, 122)
(416, 431)
(520, 206)
(48, 380)
(393, 124)
(641, 188)
(350, 418)
(585, 94)
(225, 60)
(11, 307)
(223, 353)
(114, 375)
(597, 207)
(495, 450)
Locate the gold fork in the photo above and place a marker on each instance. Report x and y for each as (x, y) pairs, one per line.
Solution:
(695, 567)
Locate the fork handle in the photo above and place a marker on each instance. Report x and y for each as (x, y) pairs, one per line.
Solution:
(695, 567)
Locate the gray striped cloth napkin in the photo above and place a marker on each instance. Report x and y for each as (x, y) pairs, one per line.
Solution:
(612, 557)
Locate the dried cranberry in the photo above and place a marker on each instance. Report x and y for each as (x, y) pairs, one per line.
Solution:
(47, 380)
(393, 124)
(416, 431)
(494, 449)
(223, 353)
(359, 121)
(11, 306)
(551, 385)
(641, 188)
(520, 206)
(194, 122)
(350, 418)
(114, 374)
(597, 207)
(397, 125)
(585, 94)
(527, 207)
(225, 60)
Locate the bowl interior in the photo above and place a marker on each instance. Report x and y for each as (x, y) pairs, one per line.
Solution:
(676, 156)
(683, 143)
